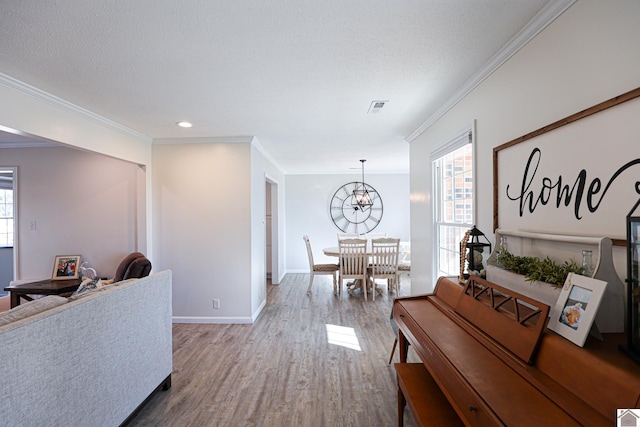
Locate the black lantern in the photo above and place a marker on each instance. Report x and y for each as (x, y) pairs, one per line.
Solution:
(476, 250)
(632, 348)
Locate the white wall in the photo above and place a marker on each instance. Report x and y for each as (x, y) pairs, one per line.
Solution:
(307, 205)
(588, 55)
(201, 212)
(82, 204)
(209, 212)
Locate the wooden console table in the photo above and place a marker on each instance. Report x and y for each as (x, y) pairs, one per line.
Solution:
(41, 287)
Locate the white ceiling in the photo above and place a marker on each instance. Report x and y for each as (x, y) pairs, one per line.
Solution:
(298, 75)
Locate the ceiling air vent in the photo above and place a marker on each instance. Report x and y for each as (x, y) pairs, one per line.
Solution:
(376, 106)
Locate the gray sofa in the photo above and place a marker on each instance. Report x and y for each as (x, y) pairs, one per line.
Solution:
(90, 360)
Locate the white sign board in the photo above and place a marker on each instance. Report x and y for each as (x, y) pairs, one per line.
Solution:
(580, 175)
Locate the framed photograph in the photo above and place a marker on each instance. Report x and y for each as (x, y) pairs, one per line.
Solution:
(576, 308)
(66, 267)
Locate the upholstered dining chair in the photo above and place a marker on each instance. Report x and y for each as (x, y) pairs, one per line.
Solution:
(318, 269)
(404, 259)
(353, 263)
(384, 263)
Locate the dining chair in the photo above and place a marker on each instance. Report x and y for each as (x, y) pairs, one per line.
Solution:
(319, 269)
(384, 263)
(373, 235)
(342, 236)
(353, 263)
(404, 259)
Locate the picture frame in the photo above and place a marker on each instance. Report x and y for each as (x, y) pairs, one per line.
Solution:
(66, 267)
(576, 307)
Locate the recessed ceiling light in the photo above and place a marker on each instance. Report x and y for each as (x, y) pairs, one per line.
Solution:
(184, 124)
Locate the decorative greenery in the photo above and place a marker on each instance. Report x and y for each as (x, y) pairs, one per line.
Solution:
(533, 268)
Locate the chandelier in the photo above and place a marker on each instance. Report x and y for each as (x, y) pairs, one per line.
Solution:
(361, 196)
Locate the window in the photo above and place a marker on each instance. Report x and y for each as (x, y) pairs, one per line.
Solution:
(6, 217)
(6, 207)
(454, 207)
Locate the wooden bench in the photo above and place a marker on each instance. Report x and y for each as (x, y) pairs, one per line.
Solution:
(427, 403)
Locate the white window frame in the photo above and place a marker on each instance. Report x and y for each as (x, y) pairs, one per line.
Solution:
(440, 243)
(12, 218)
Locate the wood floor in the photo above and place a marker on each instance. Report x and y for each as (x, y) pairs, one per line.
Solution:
(287, 369)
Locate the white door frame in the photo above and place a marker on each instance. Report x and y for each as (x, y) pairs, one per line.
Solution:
(275, 236)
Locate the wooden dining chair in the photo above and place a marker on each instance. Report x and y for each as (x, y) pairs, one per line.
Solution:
(384, 263)
(342, 236)
(319, 269)
(353, 263)
(404, 259)
(373, 235)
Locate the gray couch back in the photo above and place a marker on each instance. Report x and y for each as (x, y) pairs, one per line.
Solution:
(90, 361)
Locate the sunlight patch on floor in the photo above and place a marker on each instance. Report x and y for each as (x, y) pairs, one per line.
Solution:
(343, 336)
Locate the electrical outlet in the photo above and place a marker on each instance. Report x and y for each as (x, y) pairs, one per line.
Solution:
(216, 303)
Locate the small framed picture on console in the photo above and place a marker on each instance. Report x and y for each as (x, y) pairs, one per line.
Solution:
(576, 307)
(66, 267)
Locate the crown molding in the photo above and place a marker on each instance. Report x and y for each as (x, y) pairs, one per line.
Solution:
(28, 144)
(53, 100)
(205, 140)
(546, 16)
(258, 145)
(336, 172)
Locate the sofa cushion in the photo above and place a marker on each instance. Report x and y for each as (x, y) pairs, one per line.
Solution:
(30, 308)
(87, 286)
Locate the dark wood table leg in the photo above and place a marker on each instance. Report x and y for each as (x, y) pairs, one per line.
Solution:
(15, 299)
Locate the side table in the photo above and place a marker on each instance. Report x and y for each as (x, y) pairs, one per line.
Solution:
(41, 287)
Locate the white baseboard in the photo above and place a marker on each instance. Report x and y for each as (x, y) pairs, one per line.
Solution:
(213, 320)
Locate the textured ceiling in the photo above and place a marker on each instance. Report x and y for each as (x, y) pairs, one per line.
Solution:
(300, 76)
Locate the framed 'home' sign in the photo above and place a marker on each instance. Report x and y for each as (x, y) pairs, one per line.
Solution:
(580, 175)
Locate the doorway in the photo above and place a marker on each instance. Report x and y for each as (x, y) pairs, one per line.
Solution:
(271, 231)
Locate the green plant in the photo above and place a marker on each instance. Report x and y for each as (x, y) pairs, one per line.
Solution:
(534, 268)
